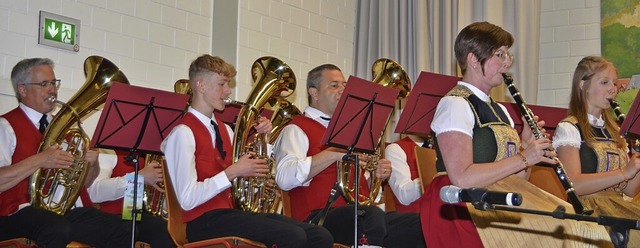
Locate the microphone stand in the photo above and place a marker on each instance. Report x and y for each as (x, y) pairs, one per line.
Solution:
(619, 227)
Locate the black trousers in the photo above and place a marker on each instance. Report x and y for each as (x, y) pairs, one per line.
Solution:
(375, 227)
(86, 225)
(270, 229)
(153, 231)
(98, 229)
(46, 228)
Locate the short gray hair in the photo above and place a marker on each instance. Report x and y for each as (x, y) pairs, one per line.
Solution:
(21, 72)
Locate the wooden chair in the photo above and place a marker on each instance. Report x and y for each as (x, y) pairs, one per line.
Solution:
(17, 243)
(389, 199)
(27, 243)
(426, 162)
(546, 179)
(178, 229)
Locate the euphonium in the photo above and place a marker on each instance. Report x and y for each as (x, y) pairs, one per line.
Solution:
(272, 79)
(57, 190)
(387, 73)
(154, 201)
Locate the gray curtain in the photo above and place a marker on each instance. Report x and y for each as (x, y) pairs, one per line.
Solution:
(522, 20)
(419, 34)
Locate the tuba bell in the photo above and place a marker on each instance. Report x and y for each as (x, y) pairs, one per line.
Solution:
(387, 73)
(57, 190)
(283, 113)
(272, 79)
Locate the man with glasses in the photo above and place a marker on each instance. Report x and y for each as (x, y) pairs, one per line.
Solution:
(21, 131)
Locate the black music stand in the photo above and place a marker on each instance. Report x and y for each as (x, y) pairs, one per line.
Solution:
(357, 124)
(630, 127)
(426, 93)
(137, 119)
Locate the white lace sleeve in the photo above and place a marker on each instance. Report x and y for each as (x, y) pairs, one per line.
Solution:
(566, 135)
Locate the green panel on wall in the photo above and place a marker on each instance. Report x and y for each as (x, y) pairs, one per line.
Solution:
(620, 27)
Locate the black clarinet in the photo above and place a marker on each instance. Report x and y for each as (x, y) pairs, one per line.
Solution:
(538, 134)
(633, 143)
(616, 110)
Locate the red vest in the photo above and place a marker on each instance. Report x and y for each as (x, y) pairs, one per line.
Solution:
(121, 169)
(208, 163)
(306, 199)
(408, 147)
(27, 143)
(28, 140)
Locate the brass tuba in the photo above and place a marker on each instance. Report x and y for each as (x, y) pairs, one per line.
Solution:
(284, 111)
(57, 190)
(272, 79)
(387, 73)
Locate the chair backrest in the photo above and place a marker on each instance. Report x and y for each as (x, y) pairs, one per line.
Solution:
(389, 199)
(426, 163)
(176, 227)
(286, 204)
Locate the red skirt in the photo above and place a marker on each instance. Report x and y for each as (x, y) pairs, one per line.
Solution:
(444, 224)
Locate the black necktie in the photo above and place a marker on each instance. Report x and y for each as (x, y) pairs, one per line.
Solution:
(218, 139)
(43, 123)
(425, 144)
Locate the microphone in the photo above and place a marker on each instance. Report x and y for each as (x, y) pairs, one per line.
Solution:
(452, 194)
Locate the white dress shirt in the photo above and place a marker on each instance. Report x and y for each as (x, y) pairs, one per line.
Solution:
(454, 113)
(179, 150)
(104, 187)
(405, 189)
(567, 134)
(290, 150)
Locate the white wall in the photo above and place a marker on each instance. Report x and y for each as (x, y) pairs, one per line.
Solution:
(301, 33)
(151, 41)
(569, 30)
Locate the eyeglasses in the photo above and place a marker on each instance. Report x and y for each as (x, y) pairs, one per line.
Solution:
(54, 83)
(502, 55)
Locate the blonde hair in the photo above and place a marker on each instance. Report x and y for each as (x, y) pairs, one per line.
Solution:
(586, 69)
(207, 64)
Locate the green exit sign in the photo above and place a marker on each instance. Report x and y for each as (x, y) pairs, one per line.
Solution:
(59, 31)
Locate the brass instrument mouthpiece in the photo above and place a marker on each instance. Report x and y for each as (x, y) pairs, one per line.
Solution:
(228, 101)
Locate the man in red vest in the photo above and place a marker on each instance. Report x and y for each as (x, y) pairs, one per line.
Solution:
(405, 181)
(307, 170)
(109, 187)
(21, 129)
(199, 158)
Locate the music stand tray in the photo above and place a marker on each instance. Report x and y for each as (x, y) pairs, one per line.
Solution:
(424, 97)
(137, 118)
(361, 115)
